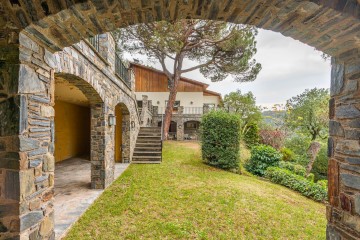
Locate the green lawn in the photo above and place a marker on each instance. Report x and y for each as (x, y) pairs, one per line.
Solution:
(182, 198)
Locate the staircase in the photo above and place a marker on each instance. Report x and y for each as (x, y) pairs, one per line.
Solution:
(148, 147)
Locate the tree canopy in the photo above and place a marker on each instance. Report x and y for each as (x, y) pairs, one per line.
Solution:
(309, 113)
(243, 105)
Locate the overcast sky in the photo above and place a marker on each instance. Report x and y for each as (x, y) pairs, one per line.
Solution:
(288, 68)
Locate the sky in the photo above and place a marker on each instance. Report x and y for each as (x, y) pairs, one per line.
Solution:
(288, 68)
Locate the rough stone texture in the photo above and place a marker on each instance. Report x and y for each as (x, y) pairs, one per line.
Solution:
(27, 128)
(329, 26)
(314, 22)
(344, 165)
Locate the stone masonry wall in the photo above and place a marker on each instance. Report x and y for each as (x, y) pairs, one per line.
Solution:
(180, 120)
(27, 130)
(344, 149)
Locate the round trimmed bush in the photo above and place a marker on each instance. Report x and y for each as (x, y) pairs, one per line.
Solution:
(220, 139)
(262, 157)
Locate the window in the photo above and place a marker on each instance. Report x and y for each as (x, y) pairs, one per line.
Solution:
(176, 105)
(139, 103)
(210, 106)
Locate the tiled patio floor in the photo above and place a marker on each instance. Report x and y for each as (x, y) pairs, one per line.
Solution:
(73, 194)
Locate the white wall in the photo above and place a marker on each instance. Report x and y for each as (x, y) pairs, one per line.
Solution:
(211, 99)
(184, 97)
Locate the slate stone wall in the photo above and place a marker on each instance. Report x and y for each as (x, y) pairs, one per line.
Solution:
(27, 164)
(344, 149)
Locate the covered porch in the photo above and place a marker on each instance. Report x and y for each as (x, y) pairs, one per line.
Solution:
(73, 193)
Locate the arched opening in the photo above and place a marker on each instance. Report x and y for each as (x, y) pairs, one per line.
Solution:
(72, 122)
(122, 134)
(76, 104)
(330, 26)
(191, 130)
(172, 130)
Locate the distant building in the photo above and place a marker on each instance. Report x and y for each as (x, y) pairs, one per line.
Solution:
(192, 101)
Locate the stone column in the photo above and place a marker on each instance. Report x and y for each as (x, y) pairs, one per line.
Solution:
(343, 211)
(107, 49)
(102, 148)
(143, 115)
(26, 141)
(180, 124)
(132, 79)
(10, 109)
(126, 141)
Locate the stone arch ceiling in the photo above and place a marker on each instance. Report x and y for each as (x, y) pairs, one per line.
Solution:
(79, 89)
(331, 26)
(67, 92)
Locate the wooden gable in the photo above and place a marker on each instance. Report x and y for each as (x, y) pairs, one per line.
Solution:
(152, 80)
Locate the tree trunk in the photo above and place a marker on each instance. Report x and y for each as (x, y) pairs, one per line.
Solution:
(170, 107)
(312, 153)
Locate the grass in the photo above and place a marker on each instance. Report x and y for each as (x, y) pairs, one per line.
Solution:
(182, 198)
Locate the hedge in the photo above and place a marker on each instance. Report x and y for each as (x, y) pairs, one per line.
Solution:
(315, 191)
(220, 139)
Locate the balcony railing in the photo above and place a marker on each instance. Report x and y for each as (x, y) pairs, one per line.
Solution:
(193, 110)
(122, 71)
(95, 42)
(185, 110)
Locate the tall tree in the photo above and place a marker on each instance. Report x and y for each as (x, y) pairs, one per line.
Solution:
(219, 49)
(308, 113)
(245, 106)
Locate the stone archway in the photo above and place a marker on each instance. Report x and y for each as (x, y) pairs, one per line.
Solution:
(122, 134)
(191, 130)
(27, 72)
(97, 115)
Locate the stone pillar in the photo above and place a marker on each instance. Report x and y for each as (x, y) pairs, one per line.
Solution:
(180, 124)
(102, 148)
(107, 49)
(132, 79)
(343, 211)
(143, 115)
(126, 140)
(26, 141)
(9, 141)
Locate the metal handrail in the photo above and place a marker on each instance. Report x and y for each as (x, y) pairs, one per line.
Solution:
(122, 71)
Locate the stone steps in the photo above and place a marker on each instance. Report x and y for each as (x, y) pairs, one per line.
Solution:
(148, 147)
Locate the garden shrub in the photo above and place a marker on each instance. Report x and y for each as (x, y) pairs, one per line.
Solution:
(220, 139)
(310, 177)
(315, 191)
(262, 157)
(323, 183)
(293, 167)
(287, 154)
(251, 137)
(320, 167)
(272, 137)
